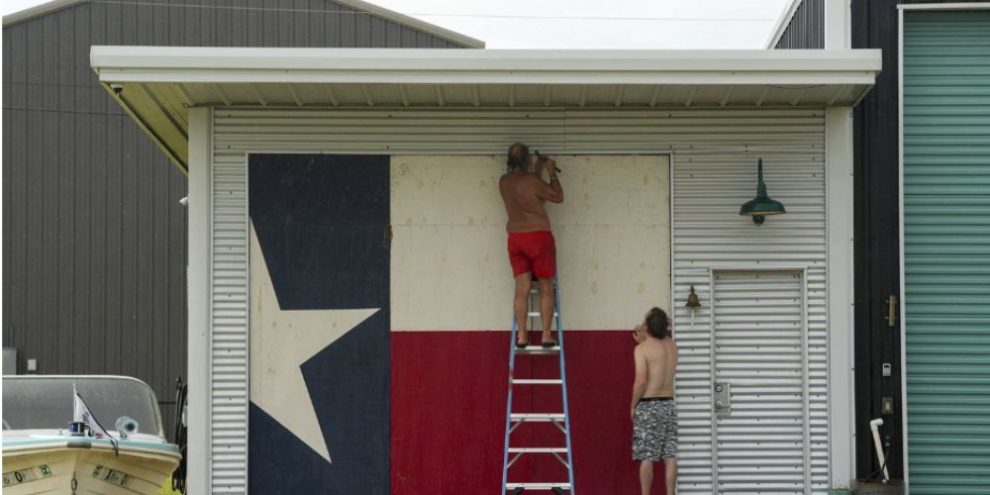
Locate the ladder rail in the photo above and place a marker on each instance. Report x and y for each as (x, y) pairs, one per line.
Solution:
(508, 407)
(563, 387)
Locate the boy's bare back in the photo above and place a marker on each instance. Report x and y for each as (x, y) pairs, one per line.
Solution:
(661, 363)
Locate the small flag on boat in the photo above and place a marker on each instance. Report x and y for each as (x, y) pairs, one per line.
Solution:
(82, 414)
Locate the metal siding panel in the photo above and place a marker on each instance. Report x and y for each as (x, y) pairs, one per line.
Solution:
(946, 171)
(317, 23)
(50, 274)
(128, 263)
(113, 246)
(806, 29)
(714, 165)
(82, 261)
(97, 232)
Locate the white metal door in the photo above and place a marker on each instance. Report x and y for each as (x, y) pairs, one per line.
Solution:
(761, 414)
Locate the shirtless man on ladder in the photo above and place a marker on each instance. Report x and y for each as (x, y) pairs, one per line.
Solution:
(532, 251)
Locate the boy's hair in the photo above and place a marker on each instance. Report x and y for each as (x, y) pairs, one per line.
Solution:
(657, 323)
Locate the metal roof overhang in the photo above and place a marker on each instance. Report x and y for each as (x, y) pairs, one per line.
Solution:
(157, 85)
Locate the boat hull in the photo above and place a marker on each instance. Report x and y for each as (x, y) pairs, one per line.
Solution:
(79, 470)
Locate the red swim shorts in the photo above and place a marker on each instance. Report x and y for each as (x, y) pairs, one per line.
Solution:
(533, 252)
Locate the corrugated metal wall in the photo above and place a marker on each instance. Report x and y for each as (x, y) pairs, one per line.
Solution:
(94, 247)
(946, 102)
(806, 29)
(708, 185)
(714, 157)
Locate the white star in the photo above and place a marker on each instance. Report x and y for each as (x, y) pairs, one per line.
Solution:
(281, 341)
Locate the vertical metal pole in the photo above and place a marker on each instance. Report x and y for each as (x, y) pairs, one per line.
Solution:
(805, 386)
(712, 291)
(563, 384)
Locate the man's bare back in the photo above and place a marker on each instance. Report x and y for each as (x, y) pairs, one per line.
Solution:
(524, 195)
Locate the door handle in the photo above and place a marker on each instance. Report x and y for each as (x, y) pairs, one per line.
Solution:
(891, 311)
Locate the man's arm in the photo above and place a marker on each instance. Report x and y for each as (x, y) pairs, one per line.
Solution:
(639, 383)
(552, 192)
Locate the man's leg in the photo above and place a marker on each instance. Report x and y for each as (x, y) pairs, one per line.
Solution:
(645, 477)
(670, 466)
(546, 308)
(520, 305)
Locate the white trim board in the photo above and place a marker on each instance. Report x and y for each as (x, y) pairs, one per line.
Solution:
(900, 233)
(199, 286)
(840, 292)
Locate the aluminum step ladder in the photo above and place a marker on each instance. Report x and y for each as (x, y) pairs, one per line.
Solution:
(559, 419)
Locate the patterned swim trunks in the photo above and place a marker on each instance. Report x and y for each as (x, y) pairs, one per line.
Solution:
(655, 429)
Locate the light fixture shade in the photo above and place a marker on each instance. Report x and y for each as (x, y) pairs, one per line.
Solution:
(762, 205)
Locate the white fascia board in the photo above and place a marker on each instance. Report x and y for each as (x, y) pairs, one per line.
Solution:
(781, 24)
(440, 66)
(414, 23)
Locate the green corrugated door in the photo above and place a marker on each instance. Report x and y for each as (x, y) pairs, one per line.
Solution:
(947, 250)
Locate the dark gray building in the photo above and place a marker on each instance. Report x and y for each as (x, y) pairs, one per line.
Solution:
(922, 168)
(94, 237)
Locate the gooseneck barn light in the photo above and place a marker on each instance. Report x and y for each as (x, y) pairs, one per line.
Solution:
(762, 205)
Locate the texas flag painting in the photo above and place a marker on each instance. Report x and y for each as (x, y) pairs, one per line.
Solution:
(380, 312)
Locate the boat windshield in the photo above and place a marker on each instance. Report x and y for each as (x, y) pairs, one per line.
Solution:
(41, 402)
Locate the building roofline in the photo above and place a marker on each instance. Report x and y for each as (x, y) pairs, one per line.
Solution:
(360, 5)
(441, 66)
(780, 26)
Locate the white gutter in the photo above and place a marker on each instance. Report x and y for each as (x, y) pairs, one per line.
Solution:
(124, 64)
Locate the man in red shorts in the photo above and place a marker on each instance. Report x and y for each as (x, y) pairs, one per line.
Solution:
(532, 252)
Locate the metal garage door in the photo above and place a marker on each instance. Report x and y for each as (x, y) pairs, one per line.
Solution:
(946, 98)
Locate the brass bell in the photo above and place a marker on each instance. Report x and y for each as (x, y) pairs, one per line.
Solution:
(693, 301)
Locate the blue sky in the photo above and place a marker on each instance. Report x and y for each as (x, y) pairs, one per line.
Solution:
(639, 24)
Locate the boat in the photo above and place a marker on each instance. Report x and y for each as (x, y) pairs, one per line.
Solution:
(54, 442)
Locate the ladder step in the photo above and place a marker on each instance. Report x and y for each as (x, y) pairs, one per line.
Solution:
(538, 486)
(537, 349)
(537, 450)
(538, 314)
(537, 417)
(529, 381)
